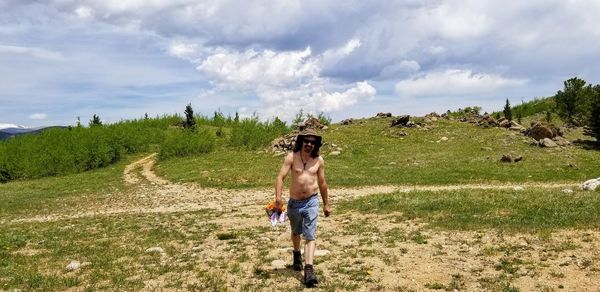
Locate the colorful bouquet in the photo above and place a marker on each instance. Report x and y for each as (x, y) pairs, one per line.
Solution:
(276, 215)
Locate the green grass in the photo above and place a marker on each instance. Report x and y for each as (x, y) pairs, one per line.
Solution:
(529, 210)
(371, 155)
(33, 256)
(52, 194)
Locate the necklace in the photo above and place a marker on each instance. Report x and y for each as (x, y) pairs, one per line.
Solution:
(303, 162)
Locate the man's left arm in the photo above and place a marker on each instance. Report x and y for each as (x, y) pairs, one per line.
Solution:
(323, 187)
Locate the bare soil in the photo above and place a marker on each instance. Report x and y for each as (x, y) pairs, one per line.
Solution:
(356, 251)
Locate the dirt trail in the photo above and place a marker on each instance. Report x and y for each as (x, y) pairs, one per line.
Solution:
(374, 252)
(153, 194)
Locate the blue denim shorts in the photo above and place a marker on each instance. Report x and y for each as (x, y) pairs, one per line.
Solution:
(303, 216)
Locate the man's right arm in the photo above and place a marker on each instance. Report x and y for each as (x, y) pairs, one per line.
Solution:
(285, 169)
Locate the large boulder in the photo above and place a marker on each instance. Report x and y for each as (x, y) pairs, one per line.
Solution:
(505, 124)
(401, 121)
(539, 132)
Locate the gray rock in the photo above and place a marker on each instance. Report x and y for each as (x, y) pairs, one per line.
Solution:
(155, 249)
(72, 266)
(591, 185)
(547, 142)
(560, 141)
(278, 264)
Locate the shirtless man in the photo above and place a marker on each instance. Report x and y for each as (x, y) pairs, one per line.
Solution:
(308, 176)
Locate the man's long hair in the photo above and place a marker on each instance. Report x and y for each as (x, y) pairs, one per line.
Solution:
(314, 153)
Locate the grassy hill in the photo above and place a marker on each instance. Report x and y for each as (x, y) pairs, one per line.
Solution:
(438, 229)
(374, 154)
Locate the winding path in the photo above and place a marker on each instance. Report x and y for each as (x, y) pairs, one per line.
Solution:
(150, 193)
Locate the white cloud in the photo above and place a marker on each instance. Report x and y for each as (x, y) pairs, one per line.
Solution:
(252, 69)
(454, 83)
(184, 51)
(83, 12)
(405, 66)
(33, 52)
(38, 116)
(284, 82)
(333, 56)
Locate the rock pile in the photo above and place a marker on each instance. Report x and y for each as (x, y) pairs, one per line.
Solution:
(286, 143)
(546, 135)
(383, 115)
(347, 122)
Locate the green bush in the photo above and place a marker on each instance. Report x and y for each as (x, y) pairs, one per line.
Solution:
(61, 151)
(180, 143)
(250, 133)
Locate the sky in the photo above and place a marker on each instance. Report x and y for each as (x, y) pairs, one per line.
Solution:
(121, 59)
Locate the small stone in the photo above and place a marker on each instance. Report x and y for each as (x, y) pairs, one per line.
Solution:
(444, 139)
(321, 252)
(335, 153)
(72, 266)
(567, 191)
(278, 264)
(518, 158)
(155, 249)
(486, 148)
(518, 188)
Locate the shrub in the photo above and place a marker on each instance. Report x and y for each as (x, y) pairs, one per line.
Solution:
(250, 133)
(181, 143)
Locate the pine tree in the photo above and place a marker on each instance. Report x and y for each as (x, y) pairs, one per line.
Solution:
(190, 120)
(594, 120)
(507, 111)
(95, 121)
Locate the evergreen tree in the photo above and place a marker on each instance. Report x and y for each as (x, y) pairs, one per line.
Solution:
(237, 118)
(574, 101)
(519, 117)
(548, 117)
(190, 120)
(594, 120)
(95, 121)
(507, 111)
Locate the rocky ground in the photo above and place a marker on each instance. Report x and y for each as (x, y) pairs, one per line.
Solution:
(354, 251)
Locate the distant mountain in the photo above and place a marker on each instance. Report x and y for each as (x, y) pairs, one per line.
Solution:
(6, 133)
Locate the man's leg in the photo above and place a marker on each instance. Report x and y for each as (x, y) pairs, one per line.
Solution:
(297, 265)
(296, 241)
(309, 251)
(310, 279)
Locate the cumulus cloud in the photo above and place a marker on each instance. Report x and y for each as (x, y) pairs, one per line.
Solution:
(284, 82)
(454, 83)
(38, 116)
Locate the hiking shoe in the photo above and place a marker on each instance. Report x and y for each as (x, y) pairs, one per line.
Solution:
(297, 261)
(310, 279)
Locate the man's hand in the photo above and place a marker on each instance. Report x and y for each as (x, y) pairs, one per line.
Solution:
(327, 211)
(278, 204)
